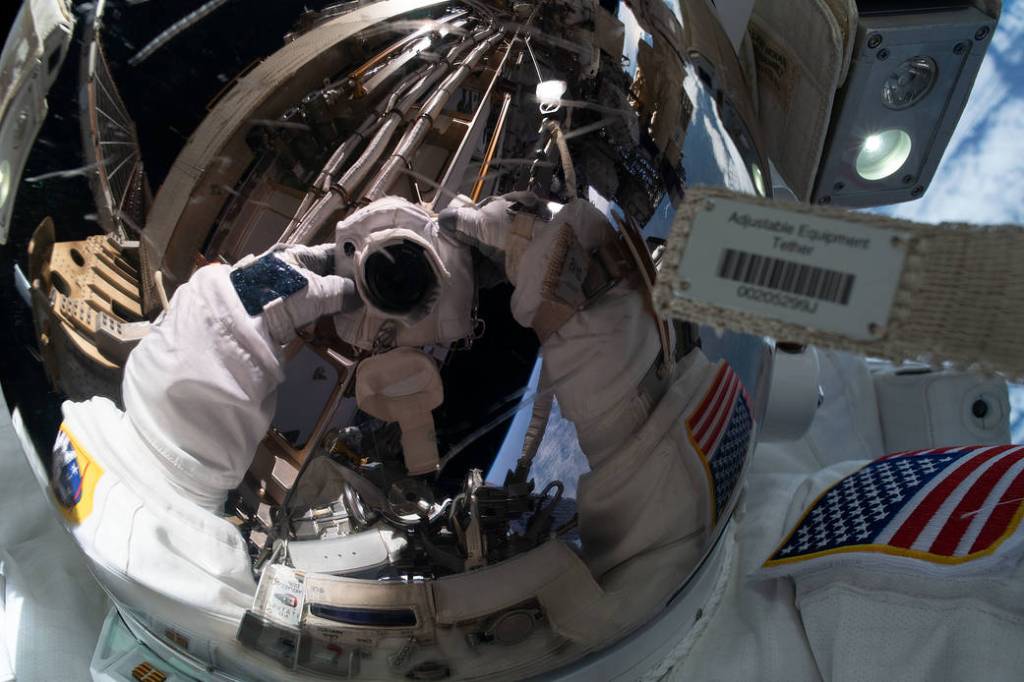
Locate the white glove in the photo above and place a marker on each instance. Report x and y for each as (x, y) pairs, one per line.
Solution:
(201, 388)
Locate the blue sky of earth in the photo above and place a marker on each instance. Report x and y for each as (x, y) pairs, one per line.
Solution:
(980, 180)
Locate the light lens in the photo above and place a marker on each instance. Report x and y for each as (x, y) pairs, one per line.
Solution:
(883, 153)
(909, 83)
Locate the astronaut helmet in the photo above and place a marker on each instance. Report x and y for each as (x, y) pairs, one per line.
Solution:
(567, 118)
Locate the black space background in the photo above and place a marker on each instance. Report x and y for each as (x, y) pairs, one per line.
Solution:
(167, 96)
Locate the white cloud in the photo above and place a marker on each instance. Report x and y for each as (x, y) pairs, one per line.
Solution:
(1006, 41)
(983, 181)
(990, 90)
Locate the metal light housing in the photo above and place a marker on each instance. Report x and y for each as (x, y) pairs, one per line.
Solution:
(908, 83)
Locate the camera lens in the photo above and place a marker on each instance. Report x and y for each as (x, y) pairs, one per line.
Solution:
(399, 278)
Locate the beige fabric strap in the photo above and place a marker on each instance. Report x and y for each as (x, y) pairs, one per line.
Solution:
(960, 297)
(797, 79)
(550, 317)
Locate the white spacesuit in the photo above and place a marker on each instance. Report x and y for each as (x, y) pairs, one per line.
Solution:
(819, 558)
(923, 616)
(200, 391)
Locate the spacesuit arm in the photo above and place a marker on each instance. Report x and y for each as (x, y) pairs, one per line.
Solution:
(639, 500)
(200, 389)
(595, 357)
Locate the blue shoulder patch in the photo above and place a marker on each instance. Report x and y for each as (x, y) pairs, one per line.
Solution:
(67, 477)
(265, 280)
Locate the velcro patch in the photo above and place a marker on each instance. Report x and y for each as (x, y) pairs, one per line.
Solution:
(265, 280)
(948, 507)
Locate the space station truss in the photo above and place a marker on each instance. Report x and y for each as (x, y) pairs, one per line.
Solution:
(111, 144)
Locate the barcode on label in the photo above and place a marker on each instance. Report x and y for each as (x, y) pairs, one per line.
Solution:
(786, 276)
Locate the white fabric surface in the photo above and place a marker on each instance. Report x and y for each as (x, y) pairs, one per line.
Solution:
(843, 624)
(200, 391)
(49, 603)
(142, 531)
(205, 351)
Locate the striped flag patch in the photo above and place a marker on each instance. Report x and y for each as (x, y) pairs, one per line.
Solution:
(719, 430)
(944, 506)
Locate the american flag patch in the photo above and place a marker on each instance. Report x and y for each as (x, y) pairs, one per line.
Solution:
(719, 430)
(944, 506)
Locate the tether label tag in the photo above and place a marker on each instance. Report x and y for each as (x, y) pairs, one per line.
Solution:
(817, 272)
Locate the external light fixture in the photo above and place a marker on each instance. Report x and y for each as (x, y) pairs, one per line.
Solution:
(549, 93)
(883, 153)
(911, 73)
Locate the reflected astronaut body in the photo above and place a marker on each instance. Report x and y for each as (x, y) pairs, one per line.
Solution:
(645, 511)
(283, 454)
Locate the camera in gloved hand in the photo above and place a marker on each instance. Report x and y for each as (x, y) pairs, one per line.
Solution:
(416, 283)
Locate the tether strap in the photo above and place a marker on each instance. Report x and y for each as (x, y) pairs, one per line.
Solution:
(958, 295)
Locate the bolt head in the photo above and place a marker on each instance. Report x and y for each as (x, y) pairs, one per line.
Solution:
(874, 41)
(982, 33)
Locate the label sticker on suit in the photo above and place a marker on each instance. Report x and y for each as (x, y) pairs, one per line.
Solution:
(285, 597)
(823, 273)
